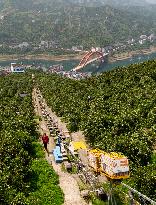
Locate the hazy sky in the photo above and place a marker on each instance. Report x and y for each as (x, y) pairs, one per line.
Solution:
(151, 1)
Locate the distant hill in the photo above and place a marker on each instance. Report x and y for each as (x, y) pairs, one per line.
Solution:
(36, 4)
(70, 24)
(118, 3)
(124, 3)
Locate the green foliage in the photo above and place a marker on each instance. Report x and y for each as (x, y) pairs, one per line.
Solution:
(23, 178)
(145, 179)
(38, 151)
(69, 24)
(16, 131)
(46, 191)
(116, 111)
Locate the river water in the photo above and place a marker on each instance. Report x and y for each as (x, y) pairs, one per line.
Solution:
(94, 68)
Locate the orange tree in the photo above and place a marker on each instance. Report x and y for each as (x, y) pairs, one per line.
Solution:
(22, 173)
(116, 110)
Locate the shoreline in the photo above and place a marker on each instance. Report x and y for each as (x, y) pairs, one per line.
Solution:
(46, 57)
(40, 57)
(131, 54)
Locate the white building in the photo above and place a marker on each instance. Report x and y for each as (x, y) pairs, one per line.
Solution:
(17, 68)
(152, 37)
(143, 37)
(98, 49)
(93, 49)
(142, 41)
(24, 44)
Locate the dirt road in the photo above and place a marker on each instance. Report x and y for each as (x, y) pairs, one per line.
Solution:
(67, 182)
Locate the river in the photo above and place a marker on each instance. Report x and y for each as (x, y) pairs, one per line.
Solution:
(94, 68)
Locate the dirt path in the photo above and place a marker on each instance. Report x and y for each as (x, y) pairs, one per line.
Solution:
(67, 182)
(76, 136)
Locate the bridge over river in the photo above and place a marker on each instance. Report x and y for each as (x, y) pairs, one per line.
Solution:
(90, 57)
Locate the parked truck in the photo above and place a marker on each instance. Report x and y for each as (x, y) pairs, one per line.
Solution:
(113, 165)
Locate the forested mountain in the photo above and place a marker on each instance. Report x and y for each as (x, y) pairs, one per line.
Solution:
(69, 23)
(29, 3)
(123, 2)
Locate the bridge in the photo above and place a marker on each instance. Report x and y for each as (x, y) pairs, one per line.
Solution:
(90, 57)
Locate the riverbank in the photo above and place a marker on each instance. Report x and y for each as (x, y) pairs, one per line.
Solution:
(41, 57)
(131, 54)
(67, 57)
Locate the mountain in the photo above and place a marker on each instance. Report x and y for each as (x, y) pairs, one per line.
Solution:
(40, 4)
(124, 3)
(68, 23)
(118, 3)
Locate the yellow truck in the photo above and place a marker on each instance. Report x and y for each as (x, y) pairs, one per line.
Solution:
(113, 165)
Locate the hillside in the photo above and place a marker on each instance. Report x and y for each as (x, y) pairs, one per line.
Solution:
(69, 24)
(121, 3)
(82, 2)
(116, 111)
(25, 174)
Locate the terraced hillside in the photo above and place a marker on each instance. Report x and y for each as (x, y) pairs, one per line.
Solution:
(116, 111)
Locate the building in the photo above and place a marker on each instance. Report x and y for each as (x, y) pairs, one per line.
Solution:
(98, 49)
(108, 49)
(131, 41)
(152, 37)
(142, 41)
(143, 37)
(43, 44)
(17, 68)
(77, 48)
(23, 45)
